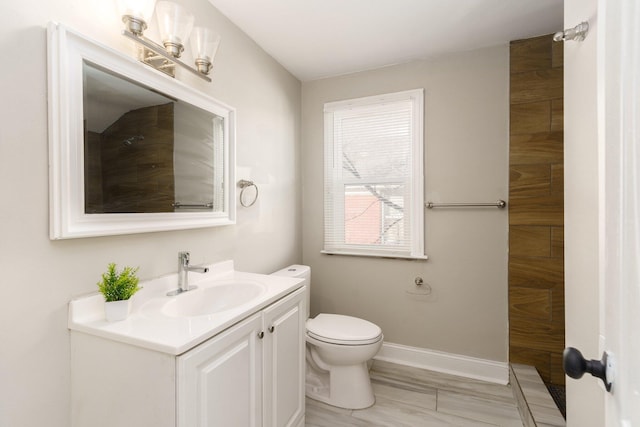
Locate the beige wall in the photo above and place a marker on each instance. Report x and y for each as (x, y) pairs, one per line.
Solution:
(40, 276)
(466, 154)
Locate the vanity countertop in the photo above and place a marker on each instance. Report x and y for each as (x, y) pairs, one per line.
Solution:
(148, 326)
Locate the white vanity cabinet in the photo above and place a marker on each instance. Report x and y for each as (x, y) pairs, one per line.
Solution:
(251, 374)
(284, 362)
(220, 381)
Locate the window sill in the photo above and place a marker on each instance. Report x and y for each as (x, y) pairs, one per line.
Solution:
(377, 255)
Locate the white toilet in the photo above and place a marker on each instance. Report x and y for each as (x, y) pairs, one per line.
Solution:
(338, 349)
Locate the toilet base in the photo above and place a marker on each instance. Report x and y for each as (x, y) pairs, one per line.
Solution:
(346, 387)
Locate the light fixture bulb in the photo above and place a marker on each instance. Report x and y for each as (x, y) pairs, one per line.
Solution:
(135, 14)
(174, 25)
(204, 45)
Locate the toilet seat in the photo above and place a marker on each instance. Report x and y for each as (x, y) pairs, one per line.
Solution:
(343, 330)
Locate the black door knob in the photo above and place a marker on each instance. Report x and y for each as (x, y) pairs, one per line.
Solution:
(575, 365)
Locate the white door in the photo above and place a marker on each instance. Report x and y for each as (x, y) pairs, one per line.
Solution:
(602, 207)
(619, 141)
(585, 397)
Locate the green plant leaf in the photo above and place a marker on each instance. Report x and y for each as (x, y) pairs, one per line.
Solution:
(118, 286)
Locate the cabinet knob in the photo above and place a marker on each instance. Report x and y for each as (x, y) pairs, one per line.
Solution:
(272, 328)
(261, 334)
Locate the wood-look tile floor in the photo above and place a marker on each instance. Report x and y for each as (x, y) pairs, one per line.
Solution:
(415, 397)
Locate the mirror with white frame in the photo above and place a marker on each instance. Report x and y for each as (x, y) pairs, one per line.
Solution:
(132, 150)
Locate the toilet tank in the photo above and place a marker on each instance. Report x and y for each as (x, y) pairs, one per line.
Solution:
(302, 272)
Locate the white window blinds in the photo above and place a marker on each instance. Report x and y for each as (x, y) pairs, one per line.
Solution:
(373, 201)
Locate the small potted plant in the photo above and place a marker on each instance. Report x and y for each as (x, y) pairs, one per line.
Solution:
(117, 287)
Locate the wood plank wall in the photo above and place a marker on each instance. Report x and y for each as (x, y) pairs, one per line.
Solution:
(536, 208)
(132, 178)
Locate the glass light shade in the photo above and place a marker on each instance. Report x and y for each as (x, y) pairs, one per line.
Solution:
(174, 25)
(136, 13)
(204, 44)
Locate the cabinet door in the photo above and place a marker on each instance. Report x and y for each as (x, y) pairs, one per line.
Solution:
(220, 381)
(284, 361)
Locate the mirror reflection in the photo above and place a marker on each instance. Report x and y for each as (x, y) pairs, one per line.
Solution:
(145, 152)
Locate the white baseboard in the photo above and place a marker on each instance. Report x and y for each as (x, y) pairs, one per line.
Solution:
(448, 363)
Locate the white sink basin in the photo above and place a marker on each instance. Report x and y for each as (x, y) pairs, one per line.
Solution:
(213, 299)
(176, 324)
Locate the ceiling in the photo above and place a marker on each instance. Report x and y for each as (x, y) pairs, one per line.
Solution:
(321, 38)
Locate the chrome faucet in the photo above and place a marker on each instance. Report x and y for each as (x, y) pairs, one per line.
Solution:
(183, 274)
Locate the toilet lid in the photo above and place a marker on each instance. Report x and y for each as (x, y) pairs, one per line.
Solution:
(345, 330)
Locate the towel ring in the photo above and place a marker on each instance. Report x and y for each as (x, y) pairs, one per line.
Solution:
(244, 184)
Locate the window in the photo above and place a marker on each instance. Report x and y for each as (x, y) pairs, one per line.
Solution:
(373, 200)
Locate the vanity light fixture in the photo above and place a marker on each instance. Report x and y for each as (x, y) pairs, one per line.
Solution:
(135, 14)
(204, 45)
(174, 25)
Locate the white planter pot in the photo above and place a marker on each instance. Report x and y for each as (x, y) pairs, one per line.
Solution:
(116, 310)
